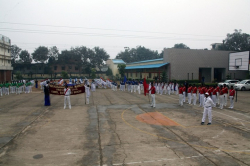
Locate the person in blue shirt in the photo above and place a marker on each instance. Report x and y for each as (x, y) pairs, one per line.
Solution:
(132, 85)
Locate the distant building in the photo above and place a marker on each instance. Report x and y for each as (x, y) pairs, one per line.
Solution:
(5, 59)
(113, 63)
(203, 65)
(188, 64)
(150, 69)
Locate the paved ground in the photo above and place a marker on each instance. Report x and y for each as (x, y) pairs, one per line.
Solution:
(119, 128)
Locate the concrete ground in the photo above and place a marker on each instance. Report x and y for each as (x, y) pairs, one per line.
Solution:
(120, 128)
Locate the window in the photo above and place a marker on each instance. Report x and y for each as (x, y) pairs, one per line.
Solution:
(130, 74)
(8, 61)
(39, 68)
(55, 67)
(76, 68)
(135, 74)
(63, 67)
(149, 75)
(70, 67)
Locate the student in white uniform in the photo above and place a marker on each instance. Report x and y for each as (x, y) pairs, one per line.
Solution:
(208, 103)
(172, 88)
(93, 86)
(165, 88)
(67, 93)
(87, 91)
(177, 88)
(169, 88)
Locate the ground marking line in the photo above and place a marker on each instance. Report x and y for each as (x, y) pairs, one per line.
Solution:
(219, 134)
(122, 116)
(159, 160)
(231, 116)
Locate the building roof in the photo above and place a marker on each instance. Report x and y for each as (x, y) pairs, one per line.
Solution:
(152, 60)
(118, 61)
(146, 66)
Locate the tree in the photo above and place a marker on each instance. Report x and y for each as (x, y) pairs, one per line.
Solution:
(181, 46)
(40, 54)
(109, 72)
(93, 71)
(164, 76)
(100, 55)
(88, 70)
(236, 41)
(25, 57)
(19, 75)
(15, 51)
(139, 53)
(121, 69)
(64, 75)
(53, 54)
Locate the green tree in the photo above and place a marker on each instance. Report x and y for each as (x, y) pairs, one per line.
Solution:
(53, 54)
(64, 75)
(93, 71)
(164, 76)
(88, 70)
(139, 53)
(236, 41)
(40, 54)
(100, 55)
(121, 69)
(181, 46)
(109, 72)
(25, 57)
(19, 75)
(15, 51)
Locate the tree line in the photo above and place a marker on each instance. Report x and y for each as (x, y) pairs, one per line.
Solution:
(91, 58)
(83, 56)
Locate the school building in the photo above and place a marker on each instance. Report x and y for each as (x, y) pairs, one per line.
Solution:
(186, 64)
(148, 69)
(5, 59)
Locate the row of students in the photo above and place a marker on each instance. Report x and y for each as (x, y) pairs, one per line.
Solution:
(218, 94)
(15, 87)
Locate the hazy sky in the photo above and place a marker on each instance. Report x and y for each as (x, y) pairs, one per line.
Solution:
(115, 24)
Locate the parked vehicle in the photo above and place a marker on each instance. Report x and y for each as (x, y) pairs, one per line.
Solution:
(228, 83)
(242, 85)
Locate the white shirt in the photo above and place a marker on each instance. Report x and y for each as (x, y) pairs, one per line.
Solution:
(68, 92)
(208, 102)
(87, 91)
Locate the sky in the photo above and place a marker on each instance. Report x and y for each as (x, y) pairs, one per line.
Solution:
(116, 24)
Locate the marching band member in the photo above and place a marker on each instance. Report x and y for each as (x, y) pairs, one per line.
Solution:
(67, 93)
(231, 97)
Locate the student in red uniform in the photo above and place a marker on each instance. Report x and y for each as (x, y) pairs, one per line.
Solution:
(218, 94)
(199, 94)
(181, 95)
(194, 93)
(152, 90)
(231, 97)
(221, 93)
(214, 95)
(202, 92)
(184, 94)
(189, 94)
(225, 94)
